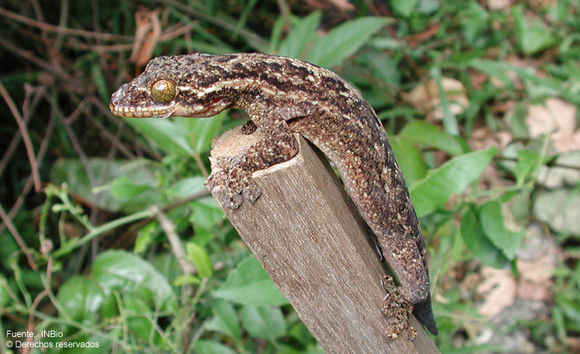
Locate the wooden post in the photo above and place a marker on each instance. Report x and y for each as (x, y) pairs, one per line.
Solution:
(308, 236)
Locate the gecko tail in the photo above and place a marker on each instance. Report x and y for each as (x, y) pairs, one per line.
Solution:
(424, 314)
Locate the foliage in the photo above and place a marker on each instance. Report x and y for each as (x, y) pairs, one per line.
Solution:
(120, 184)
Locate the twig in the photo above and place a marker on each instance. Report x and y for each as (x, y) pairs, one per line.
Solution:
(17, 238)
(141, 223)
(107, 113)
(114, 139)
(52, 28)
(170, 34)
(549, 164)
(37, 299)
(30, 325)
(196, 196)
(28, 185)
(414, 39)
(253, 39)
(285, 12)
(27, 107)
(176, 246)
(25, 137)
(63, 19)
(55, 70)
(97, 231)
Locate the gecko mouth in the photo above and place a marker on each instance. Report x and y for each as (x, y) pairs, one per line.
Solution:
(142, 112)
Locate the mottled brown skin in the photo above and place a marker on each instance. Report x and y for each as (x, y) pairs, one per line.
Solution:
(284, 96)
(398, 309)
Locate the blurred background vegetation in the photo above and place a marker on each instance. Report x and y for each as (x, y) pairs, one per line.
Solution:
(479, 98)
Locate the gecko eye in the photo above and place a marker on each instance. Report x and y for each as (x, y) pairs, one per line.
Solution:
(163, 91)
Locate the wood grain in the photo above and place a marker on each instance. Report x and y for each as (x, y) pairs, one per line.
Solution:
(308, 236)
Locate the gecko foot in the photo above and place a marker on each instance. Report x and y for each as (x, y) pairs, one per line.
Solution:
(398, 311)
(234, 187)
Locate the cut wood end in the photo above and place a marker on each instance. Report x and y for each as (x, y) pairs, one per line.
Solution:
(233, 142)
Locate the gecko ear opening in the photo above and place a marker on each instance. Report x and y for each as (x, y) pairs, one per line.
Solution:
(163, 91)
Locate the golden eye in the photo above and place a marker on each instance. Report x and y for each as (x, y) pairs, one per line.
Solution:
(163, 91)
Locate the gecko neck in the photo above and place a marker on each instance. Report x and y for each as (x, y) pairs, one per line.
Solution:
(257, 82)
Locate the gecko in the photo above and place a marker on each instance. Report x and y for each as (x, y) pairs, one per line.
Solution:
(284, 96)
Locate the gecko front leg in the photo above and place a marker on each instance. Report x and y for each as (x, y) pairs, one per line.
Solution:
(272, 144)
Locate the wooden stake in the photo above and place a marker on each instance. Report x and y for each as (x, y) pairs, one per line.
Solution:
(308, 236)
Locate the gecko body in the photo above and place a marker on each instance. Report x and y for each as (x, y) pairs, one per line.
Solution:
(284, 96)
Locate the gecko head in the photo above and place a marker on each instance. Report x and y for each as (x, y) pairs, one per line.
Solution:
(172, 86)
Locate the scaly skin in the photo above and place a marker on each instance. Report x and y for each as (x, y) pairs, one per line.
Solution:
(284, 96)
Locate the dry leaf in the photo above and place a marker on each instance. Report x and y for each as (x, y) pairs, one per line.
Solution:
(495, 5)
(558, 118)
(426, 98)
(528, 64)
(147, 35)
(538, 270)
(484, 137)
(537, 259)
(325, 4)
(536, 279)
(574, 344)
(498, 289)
(342, 4)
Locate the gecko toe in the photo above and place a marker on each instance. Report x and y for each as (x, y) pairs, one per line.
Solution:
(229, 200)
(252, 192)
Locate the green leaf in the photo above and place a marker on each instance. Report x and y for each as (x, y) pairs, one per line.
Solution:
(203, 346)
(135, 307)
(452, 177)
(186, 280)
(478, 243)
(100, 82)
(202, 131)
(534, 36)
(186, 187)
(300, 35)
(206, 213)
(4, 296)
(225, 319)
(496, 69)
(449, 120)
(198, 256)
(81, 298)
(263, 322)
(144, 236)
(123, 187)
(526, 165)
(492, 222)
(344, 40)
(77, 343)
(420, 132)
(124, 272)
(134, 174)
(473, 20)
(570, 308)
(404, 7)
(410, 159)
(249, 284)
(165, 133)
